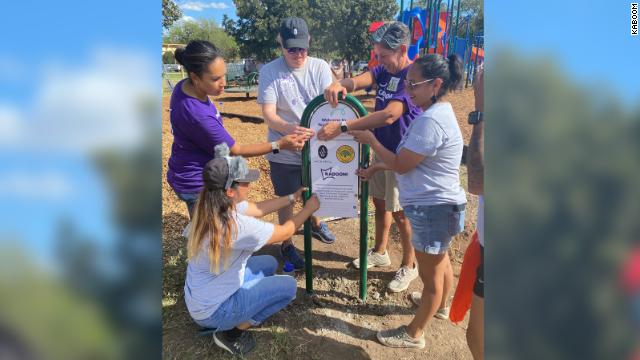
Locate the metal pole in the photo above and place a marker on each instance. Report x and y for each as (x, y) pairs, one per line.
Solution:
(437, 26)
(455, 34)
(306, 181)
(445, 39)
(364, 224)
(427, 33)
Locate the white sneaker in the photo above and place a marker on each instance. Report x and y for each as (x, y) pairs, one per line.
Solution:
(374, 259)
(442, 313)
(403, 278)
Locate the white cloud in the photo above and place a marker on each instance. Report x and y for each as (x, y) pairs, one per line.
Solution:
(109, 103)
(199, 6)
(12, 69)
(186, 18)
(46, 185)
(11, 125)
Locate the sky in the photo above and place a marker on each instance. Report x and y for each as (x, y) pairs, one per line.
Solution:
(70, 86)
(590, 40)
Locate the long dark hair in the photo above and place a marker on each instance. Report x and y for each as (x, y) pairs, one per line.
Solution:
(197, 56)
(436, 66)
(212, 220)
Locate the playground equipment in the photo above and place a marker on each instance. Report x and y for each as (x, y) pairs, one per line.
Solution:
(435, 31)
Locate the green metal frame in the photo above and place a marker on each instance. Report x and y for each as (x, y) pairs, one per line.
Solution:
(363, 159)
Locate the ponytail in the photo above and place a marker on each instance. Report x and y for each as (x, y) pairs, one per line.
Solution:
(436, 66)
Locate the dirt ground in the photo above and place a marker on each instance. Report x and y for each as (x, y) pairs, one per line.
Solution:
(338, 326)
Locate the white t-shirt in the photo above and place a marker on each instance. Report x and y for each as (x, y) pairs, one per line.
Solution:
(291, 90)
(436, 180)
(204, 291)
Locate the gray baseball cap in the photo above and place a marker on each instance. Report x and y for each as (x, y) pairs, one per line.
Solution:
(294, 33)
(223, 170)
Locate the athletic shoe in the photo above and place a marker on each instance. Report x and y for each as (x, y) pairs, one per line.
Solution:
(442, 313)
(398, 338)
(241, 345)
(404, 277)
(374, 259)
(323, 234)
(290, 254)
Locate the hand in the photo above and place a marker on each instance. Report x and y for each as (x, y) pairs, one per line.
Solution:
(313, 203)
(366, 174)
(291, 142)
(329, 131)
(298, 193)
(363, 136)
(478, 88)
(332, 91)
(306, 133)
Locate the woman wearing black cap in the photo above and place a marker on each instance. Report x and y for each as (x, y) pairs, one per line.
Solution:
(225, 287)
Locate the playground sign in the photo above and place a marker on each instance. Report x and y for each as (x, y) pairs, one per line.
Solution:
(334, 163)
(329, 170)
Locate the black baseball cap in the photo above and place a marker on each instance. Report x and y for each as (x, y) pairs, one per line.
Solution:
(220, 173)
(294, 33)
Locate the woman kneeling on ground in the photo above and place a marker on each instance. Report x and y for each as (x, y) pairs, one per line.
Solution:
(226, 288)
(427, 164)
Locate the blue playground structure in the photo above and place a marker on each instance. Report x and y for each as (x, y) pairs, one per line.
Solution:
(434, 31)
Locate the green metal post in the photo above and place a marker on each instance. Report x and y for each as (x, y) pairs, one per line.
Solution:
(364, 223)
(306, 181)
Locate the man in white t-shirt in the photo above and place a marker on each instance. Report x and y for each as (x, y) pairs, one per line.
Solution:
(287, 85)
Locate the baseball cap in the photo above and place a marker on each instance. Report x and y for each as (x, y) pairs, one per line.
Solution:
(294, 33)
(222, 171)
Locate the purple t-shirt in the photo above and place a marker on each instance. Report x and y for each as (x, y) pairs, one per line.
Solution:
(391, 87)
(197, 128)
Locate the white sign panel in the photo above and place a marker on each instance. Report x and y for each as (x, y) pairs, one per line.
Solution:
(334, 164)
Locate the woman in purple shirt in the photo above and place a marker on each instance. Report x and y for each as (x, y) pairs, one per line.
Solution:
(197, 125)
(393, 114)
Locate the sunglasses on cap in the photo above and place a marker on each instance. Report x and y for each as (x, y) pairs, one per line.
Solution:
(412, 85)
(296, 50)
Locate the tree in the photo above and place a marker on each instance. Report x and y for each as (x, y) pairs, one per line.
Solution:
(338, 27)
(258, 22)
(342, 26)
(203, 29)
(170, 13)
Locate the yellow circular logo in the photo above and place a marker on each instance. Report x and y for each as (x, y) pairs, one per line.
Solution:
(345, 154)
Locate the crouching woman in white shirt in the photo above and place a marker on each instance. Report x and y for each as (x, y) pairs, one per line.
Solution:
(226, 288)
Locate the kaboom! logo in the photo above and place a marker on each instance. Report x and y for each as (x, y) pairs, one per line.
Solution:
(330, 174)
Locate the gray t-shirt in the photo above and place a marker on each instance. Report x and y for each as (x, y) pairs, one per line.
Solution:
(204, 291)
(291, 90)
(436, 180)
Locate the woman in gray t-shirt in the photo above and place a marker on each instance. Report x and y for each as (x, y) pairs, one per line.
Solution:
(226, 287)
(427, 163)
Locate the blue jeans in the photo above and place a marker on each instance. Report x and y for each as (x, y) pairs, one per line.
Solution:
(262, 295)
(190, 200)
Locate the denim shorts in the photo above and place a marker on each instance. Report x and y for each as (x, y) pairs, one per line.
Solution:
(433, 226)
(286, 178)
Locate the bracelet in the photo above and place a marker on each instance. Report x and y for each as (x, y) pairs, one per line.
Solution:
(292, 198)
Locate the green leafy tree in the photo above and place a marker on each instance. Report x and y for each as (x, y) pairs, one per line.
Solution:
(170, 13)
(258, 22)
(203, 29)
(342, 26)
(338, 27)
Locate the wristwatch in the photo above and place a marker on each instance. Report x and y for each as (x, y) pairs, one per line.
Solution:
(292, 198)
(343, 126)
(475, 117)
(275, 148)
